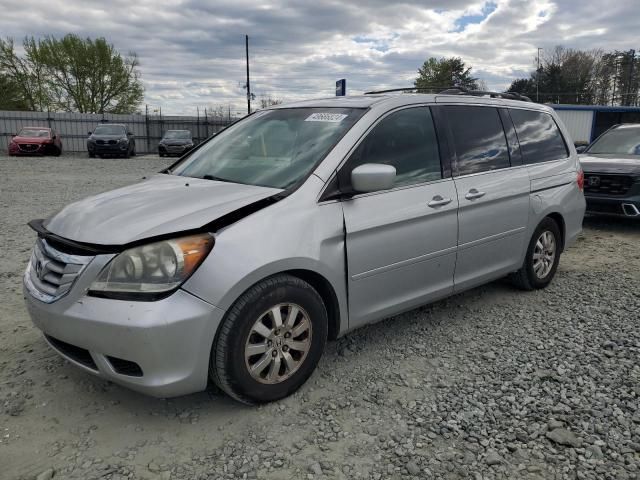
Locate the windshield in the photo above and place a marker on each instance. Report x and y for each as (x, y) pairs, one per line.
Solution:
(181, 134)
(271, 148)
(109, 130)
(621, 140)
(34, 133)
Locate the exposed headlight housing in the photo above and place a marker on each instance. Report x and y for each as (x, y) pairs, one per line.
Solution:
(153, 271)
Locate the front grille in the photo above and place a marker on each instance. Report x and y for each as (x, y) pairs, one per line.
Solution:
(28, 147)
(605, 184)
(75, 353)
(106, 142)
(51, 273)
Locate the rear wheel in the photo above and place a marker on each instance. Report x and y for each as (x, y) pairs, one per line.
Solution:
(270, 340)
(543, 256)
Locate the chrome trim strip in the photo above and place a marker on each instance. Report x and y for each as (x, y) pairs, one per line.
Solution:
(403, 263)
(491, 238)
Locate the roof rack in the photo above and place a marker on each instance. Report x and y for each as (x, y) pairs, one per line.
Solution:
(482, 93)
(459, 91)
(408, 89)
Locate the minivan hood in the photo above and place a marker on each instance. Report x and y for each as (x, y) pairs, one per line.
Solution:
(609, 163)
(160, 205)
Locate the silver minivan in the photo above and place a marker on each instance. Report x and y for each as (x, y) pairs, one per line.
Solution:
(296, 225)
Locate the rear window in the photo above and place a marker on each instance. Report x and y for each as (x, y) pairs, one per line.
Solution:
(539, 136)
(479, 139)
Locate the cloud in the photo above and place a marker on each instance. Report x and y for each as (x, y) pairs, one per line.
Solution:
(192, 52)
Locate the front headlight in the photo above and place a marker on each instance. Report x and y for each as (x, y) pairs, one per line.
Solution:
(124, 140)
(154, 270)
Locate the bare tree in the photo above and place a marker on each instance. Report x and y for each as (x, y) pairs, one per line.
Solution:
(267, 100)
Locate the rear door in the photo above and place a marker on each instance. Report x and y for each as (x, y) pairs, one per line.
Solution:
(493, 194)
(401, 243)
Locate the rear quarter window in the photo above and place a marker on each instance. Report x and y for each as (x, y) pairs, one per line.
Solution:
(539, 136)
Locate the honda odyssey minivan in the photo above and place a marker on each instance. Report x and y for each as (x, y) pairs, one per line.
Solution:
(297, 224)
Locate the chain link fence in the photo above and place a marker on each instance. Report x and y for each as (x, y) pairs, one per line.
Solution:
(73, 128)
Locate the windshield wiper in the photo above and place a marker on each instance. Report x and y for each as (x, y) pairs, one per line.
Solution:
(218, 179)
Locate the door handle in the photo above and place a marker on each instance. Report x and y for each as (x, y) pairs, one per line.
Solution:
(438, 201)
(473, 194)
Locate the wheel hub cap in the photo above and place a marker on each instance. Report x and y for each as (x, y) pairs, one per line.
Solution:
(544, 254)
(278, 343)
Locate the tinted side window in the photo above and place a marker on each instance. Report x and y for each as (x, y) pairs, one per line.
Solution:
(479, 139)
(405, 139)
(539, 136)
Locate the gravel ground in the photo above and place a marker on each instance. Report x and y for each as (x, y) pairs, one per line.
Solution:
(490, 384)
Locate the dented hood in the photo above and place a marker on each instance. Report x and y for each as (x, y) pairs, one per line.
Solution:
(160, 205)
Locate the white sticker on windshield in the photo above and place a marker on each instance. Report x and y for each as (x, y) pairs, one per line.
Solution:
(326, 117)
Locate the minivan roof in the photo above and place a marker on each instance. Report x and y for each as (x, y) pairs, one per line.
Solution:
(366, 101)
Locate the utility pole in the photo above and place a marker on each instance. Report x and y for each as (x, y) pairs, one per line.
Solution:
(632, 57)
(538, 78)
(246, 46)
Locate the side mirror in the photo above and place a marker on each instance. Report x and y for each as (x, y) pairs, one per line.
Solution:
(373, 177)
(130, 134)
(581, 148)
(89, 133)
(54, 137)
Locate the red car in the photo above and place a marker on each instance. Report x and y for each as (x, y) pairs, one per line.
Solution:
(36, 141)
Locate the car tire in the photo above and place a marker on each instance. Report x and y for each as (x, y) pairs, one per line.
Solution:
(92, 155)
(161, 154)
(540, 265)
(279, 368)
(57, 152)
(127, 154)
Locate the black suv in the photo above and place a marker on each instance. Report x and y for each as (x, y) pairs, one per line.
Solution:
(175, 142)
(111, 139)
(611, 167)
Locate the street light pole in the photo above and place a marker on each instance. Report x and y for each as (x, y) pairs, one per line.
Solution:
(246, 46)
(538, 78)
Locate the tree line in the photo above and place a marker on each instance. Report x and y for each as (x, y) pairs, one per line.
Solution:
(69, 74)
(592, 77)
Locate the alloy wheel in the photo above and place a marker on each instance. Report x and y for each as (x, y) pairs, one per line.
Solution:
(278, 343)
(544, 254)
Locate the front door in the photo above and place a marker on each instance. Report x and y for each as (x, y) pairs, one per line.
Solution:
(401, 243)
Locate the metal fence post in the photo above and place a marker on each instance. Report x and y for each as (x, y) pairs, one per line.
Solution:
(146, 123)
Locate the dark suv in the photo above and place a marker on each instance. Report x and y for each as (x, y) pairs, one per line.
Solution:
(175, 142)
(611, 167)
(111, 139)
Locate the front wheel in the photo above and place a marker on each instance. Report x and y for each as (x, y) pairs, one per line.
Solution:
(270, 341)
(543, 256)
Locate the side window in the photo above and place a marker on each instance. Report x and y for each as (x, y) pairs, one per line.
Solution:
(539, 136)
(479, 139)
(405, 139)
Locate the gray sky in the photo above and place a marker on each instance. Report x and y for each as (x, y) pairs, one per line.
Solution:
(192, 52)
